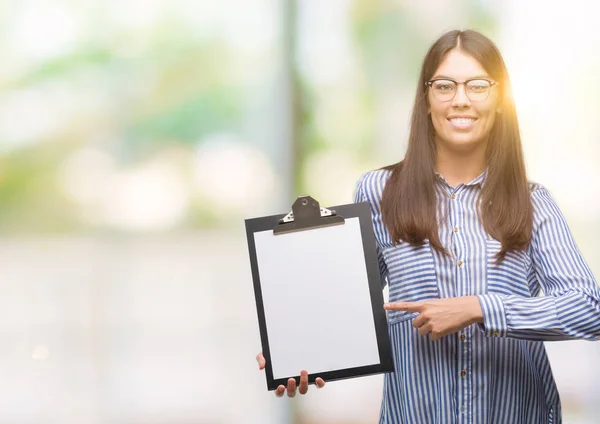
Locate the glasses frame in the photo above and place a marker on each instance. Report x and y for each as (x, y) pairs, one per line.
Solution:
(493, 83)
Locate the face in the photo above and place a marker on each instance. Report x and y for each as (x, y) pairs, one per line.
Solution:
(461, 123)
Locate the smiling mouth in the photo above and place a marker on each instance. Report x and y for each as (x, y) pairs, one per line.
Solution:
(462, 122)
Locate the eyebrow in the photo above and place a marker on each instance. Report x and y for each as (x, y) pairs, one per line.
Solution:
(471, 78)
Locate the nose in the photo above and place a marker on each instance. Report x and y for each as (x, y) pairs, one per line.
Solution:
(460, 99)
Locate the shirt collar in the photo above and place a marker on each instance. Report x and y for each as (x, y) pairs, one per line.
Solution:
(479, 180)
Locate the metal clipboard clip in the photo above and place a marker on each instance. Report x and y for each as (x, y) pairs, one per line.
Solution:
(306, 214)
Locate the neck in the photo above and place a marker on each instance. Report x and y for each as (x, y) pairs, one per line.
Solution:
(460, 167)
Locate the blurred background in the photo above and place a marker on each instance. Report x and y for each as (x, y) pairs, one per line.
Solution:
(136, 137)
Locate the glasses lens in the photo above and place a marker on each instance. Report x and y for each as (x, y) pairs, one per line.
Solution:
(443, 90)
(478, 90)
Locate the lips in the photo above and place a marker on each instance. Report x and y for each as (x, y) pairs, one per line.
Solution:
(462, 122)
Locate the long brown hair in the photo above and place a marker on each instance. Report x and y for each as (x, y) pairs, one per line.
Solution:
(409, 201)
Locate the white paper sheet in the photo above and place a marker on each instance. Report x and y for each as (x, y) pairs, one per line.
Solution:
(316, 299)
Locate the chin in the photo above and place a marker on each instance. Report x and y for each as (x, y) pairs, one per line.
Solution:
(463, 143)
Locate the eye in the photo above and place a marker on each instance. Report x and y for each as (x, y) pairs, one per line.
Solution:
(478, 86)
(444, 86)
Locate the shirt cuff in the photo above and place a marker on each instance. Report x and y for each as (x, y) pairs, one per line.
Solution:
(494, 316)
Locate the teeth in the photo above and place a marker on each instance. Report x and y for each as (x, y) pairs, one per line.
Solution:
(462, 121)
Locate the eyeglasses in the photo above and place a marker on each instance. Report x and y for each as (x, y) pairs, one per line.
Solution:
(477, 89)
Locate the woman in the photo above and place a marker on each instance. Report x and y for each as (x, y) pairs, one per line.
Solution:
(480, 263)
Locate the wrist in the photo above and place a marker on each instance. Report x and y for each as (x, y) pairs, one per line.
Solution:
(477, 312)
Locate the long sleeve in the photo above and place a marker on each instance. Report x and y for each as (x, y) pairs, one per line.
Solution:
(570, 305)
(359, 197)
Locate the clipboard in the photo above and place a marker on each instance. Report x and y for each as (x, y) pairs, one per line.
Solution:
(318, 293)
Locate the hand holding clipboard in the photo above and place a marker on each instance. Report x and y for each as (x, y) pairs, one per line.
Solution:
(322, 261)
(302, 386)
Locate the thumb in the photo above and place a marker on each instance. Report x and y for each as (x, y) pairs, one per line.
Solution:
(261, 361)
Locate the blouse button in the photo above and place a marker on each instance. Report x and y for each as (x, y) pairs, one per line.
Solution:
(462, 337)
(495, 334)
(463, 373)
(453, 196)
(460, 263)
(456, 229)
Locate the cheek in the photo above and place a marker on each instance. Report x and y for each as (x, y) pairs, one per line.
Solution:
(436, 123)
(489, 122)
(438, 117)
(489, 111)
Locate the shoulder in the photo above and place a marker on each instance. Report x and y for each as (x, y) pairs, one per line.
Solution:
(371, 184)
(544, 205)
(540, 196)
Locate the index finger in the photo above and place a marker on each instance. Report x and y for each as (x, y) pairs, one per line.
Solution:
(403, 306)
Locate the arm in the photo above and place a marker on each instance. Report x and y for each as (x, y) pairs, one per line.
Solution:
(360, 196)
(570, 307)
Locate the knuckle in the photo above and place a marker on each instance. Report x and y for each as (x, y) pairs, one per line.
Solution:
(437, 334)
